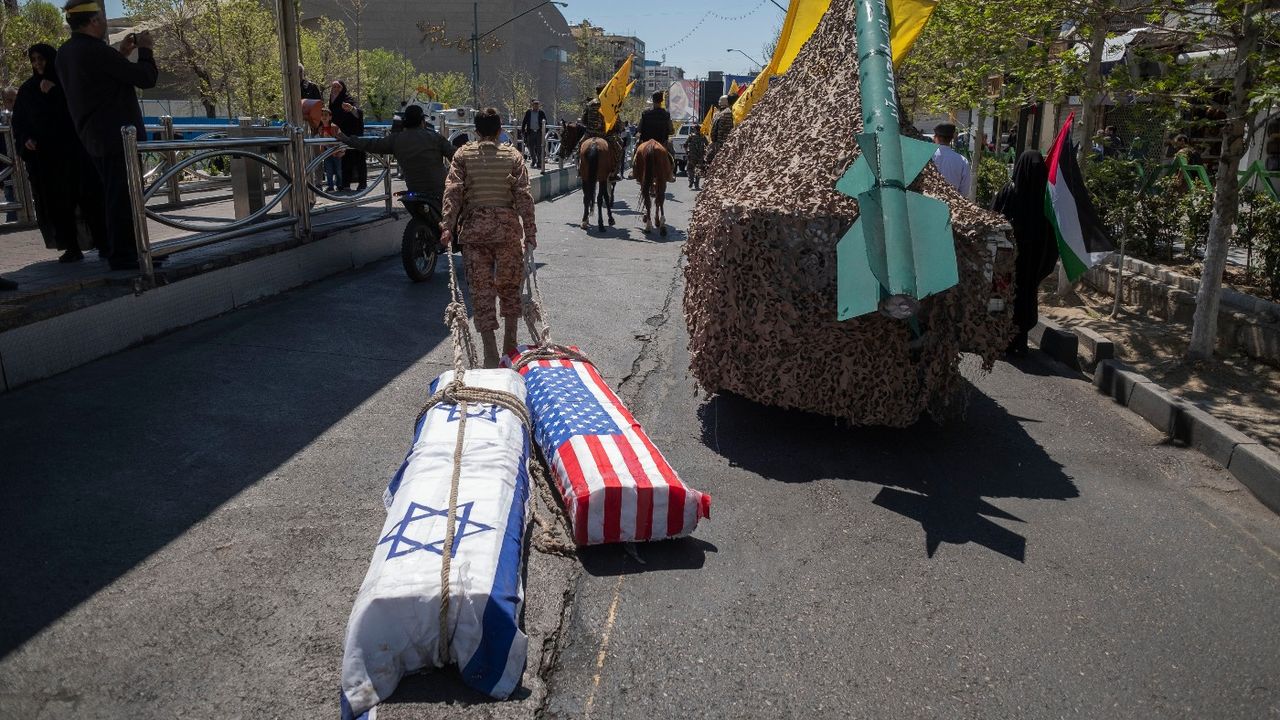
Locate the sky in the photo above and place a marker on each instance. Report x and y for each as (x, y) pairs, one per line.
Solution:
(693, 34)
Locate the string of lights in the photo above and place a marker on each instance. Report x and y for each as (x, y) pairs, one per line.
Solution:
(710, 14)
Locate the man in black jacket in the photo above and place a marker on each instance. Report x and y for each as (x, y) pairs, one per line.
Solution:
(532, 128)
(655, 124)
(99, 82)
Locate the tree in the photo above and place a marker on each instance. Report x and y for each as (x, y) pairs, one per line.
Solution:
(1242, 29)
(354, 10)
(515, 89)
(20, 28)
(589, 65)
(185, 46)
(326, 52)
(253, 57)
(389, 78)
(452, 89)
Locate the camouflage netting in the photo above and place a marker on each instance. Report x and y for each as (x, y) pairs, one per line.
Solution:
(760, 293)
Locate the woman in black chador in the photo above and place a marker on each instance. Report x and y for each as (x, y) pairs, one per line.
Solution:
(1022, 202)
(55, 160)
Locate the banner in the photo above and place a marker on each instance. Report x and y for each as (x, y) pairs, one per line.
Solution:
(682, 100)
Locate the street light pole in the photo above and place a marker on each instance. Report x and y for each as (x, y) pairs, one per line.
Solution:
(753, 60)
(477, 36)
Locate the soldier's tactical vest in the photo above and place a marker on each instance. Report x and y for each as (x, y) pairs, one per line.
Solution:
(489, 168)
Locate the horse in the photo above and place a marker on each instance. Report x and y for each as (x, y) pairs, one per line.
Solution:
(653, 167)
(595, 165)
(570, 134)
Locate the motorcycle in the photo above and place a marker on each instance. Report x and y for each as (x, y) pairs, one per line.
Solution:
(420, 248)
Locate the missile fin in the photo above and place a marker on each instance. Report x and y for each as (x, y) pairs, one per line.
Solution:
(932, 246)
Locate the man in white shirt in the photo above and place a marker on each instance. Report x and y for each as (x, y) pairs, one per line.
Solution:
(952, 165)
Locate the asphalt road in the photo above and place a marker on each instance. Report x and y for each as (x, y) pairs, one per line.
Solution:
(185, 526)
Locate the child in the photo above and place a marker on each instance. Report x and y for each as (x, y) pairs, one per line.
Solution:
(333, 163)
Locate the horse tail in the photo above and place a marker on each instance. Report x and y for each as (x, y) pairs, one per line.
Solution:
(650, 172)
(593, 163)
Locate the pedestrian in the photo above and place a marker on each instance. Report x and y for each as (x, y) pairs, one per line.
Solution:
(533, 129)
(350, 120)
(695, 153)
(1022, 202)
(721, 126)
(333, 163)
(55, 158)
(655, 124)
(1185, 150)
(954, 168)
(100, 84)
(487, 197)
(310, 90)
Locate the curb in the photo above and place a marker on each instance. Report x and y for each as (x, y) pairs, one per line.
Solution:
(1250, 462)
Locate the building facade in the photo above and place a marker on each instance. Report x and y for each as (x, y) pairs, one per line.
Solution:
(659, 77)
(435, 37)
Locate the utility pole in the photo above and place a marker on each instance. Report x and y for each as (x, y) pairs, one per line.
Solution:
(475, 56)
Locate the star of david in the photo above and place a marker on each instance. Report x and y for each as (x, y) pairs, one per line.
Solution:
(482, 411)
(402, 544)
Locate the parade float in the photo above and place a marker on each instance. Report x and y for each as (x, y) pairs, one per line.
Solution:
(777, 255)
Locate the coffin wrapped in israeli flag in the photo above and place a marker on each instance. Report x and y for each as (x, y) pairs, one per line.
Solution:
(615, 484)
(394, 626)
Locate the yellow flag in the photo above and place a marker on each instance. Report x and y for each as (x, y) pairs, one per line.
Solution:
(706, 121)
(615, 93)
(734, 89)
(907, 20)
(631, 86)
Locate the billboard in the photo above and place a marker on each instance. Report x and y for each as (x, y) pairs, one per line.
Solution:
(682, 100)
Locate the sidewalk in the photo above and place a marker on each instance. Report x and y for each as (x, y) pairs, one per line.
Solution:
(1237, 389)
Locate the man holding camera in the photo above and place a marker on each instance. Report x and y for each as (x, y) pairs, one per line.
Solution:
(99, 81)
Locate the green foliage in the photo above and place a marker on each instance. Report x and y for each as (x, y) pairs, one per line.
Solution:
(992, 175)
(1155, 227)
(1258, 231)
(326, 53)
(389, 78)
(1196, 210)
(35, 22)
(1113, 186)
(452, 88)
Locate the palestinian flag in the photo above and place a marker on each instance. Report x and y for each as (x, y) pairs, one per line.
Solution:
(1082, 241)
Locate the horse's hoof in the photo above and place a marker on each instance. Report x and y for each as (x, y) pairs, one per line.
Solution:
(586, 226)
(611, 222)
(601, 228)
(662, 231)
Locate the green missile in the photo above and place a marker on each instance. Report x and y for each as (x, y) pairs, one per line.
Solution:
(900, 249)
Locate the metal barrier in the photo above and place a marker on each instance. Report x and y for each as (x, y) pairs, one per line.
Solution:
(262, 202)
(13, 173)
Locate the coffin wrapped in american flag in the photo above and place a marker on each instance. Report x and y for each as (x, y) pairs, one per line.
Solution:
(615, 484)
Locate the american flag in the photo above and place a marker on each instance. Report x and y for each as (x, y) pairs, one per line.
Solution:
(615, 484)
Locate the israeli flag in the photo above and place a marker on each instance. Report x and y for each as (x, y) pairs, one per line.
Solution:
(394, 626)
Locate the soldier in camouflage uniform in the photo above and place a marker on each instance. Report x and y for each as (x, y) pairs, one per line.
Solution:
(721, 126)
(487, 191)
(593, 126)
(695, 149)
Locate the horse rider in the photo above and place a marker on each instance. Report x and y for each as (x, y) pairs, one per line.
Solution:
(655, 124)
(593, 126)
(721, 126)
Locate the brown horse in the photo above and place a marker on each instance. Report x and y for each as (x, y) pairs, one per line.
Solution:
(653, 167)
(595, 165)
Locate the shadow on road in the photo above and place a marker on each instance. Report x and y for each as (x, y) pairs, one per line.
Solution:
(107, 464)
(937, 475)
(687, 553)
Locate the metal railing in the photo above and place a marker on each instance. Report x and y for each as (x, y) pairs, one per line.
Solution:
(272, 171)
(13, 174)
